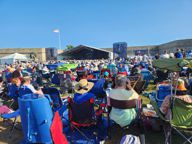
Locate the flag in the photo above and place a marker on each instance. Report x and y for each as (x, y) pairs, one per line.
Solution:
(56, 30)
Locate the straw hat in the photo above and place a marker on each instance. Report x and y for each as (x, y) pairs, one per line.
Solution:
(83, 86)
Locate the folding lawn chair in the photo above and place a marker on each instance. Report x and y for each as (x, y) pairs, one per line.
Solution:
(55, 79)
(12, 91)
(13, 94)
(81, 114)
(13, 115)
(81, 74)
(96, 74)
(140, 86)
(181, 120)
(134, 80)
(55, 97)
(84, 116)
(163, 90)
(147, 76)
(129, 104)
(24, 90)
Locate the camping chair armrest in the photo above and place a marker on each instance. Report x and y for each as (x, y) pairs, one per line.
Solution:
(139, 106)
(11, 115)
(161, 100)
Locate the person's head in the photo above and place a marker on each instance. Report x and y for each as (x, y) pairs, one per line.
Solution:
(121, 65)
(16, 81)
(19, 68)
(27, 80)
(106, 74)
(120, 81)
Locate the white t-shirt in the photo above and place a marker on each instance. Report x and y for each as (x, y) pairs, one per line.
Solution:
(165, 56)
(31, 88)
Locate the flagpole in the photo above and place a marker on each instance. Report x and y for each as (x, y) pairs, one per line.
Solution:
(59, 40)
(59, 37)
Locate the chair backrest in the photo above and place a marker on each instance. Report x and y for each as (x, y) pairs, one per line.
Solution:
(182, 114)
(146, 75)
(8, 76)
(123, 104)
(55, 79)
(81, 74)
(139, 87)
(54, 95)
(23, 90)
(96, 74)
(81, 114)
(134, 80)
(13, 91)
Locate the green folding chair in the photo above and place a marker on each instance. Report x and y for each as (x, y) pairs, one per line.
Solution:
(181, 120)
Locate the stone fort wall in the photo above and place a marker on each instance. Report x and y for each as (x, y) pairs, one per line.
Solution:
(40, 52)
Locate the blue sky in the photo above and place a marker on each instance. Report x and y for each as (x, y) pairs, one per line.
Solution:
(99, 23)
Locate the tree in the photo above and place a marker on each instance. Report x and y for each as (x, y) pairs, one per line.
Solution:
(70, 46)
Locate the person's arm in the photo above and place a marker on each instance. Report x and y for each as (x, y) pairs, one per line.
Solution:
(35, 91)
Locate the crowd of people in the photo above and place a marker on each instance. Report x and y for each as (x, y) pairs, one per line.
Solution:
(92, 79)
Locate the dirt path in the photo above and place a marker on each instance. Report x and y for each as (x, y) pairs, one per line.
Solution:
(4, 134)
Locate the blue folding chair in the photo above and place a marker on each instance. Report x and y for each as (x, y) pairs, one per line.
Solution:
(23, 90)
(13, 91)
(55, 79)
(146, 74)
(96, 74)
(162, 92)
(55, 97)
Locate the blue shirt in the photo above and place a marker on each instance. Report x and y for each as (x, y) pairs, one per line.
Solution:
(98, 87)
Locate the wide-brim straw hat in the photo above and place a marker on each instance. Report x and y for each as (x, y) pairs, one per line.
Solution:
(83, 86)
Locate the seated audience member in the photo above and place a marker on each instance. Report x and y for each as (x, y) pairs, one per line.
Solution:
(123, 91)
(13, 91)
(101, 85)
(181, 94)
(17, 73)
(27, 84)
(165, 55)
(178, 54)
(82, 91)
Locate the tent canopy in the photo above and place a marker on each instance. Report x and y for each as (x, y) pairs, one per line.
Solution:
(172, 64)
(54, 66)
(66, 67)
(9, 59)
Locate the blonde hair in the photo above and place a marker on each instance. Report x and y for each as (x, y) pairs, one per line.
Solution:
(15, 80)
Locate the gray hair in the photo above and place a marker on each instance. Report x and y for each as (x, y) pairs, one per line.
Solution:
(121, 81)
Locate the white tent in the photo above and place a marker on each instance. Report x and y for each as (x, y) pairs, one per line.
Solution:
(10, 59)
